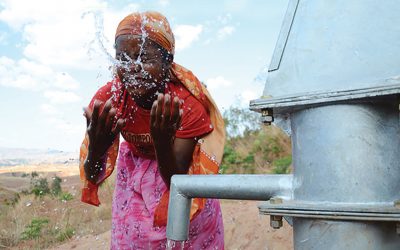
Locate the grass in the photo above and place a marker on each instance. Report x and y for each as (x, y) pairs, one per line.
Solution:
(42, 221)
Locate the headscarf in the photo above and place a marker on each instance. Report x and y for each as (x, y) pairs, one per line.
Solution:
(151, 24)
(207, 155)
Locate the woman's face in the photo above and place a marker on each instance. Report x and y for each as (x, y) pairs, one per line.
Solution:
(142, 66)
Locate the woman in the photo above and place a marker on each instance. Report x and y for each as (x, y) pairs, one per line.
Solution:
(170, 125)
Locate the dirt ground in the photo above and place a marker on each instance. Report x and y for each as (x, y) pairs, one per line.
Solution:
(244, 228)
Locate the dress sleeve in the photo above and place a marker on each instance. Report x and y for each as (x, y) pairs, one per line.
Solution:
(89, 189)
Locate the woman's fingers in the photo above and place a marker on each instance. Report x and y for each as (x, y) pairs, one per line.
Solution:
(104, 114)
(166, 114)
(88, 115)
(109, 120)
(153, 114)
(175, 110)
(95, 113)
(178, 121)
(119, 126)
(160, 102)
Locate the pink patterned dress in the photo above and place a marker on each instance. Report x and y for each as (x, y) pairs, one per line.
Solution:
(138, 189)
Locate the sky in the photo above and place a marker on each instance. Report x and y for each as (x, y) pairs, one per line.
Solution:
(54, 55)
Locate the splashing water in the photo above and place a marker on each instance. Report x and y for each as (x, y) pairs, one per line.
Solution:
(100, 39)
(100, 43)
(127, 65)
(172, 244)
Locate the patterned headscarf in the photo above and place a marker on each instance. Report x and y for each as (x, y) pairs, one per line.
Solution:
(150, 24)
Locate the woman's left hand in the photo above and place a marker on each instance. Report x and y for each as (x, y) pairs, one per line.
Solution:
(165, 118)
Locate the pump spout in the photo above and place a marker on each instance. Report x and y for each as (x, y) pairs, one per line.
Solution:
(238, 187)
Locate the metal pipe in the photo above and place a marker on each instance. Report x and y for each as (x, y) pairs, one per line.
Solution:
(238, 187)
(346, 153)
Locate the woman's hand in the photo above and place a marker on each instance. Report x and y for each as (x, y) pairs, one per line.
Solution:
(102, 133)
(173, 154)
(165, 118)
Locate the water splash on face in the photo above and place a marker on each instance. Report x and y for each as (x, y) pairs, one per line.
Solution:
(100, 44)
(131, 75)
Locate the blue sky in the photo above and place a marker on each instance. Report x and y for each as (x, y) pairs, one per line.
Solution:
(51, 60)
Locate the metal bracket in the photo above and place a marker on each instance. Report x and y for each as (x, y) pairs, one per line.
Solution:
(285, 104)
(333, 211)
(267, 116)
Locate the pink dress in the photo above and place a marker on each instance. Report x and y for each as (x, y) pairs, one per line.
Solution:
(138, 189)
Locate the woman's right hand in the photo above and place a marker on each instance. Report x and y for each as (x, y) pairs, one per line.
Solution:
(102, 133)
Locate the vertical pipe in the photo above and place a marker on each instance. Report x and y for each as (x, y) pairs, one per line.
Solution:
(346, 153)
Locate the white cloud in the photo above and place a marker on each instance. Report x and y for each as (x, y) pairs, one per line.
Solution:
(3, 38)
(225, 31)
(235, 5)
(163, 2)
(60, 34)
(48, 109)
(26, 74)
(61, 96)
(225, 19)
(247, 96)
(219, 29)
(217, 82)
(58, 37)
(185, 35)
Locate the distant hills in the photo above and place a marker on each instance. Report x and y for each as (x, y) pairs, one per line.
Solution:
(23, 156)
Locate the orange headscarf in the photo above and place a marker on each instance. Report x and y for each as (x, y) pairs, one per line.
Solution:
(152, 24)
(208, 152)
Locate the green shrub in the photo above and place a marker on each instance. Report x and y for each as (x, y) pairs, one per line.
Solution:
(40, 187)
(14, 200)
(66, 234)
(33, 230)
(281, 166)
(234, 162)
(65, 196)
(229, 158)
(34, 174)
(251, 148)
(56, 185)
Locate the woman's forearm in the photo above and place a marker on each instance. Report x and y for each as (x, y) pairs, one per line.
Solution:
(167, 162)
(94, 167)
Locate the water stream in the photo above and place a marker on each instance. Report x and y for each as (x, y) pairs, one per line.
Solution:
(175, 245)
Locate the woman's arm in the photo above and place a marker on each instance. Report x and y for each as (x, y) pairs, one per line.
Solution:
(174, 155)
(101, 133)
